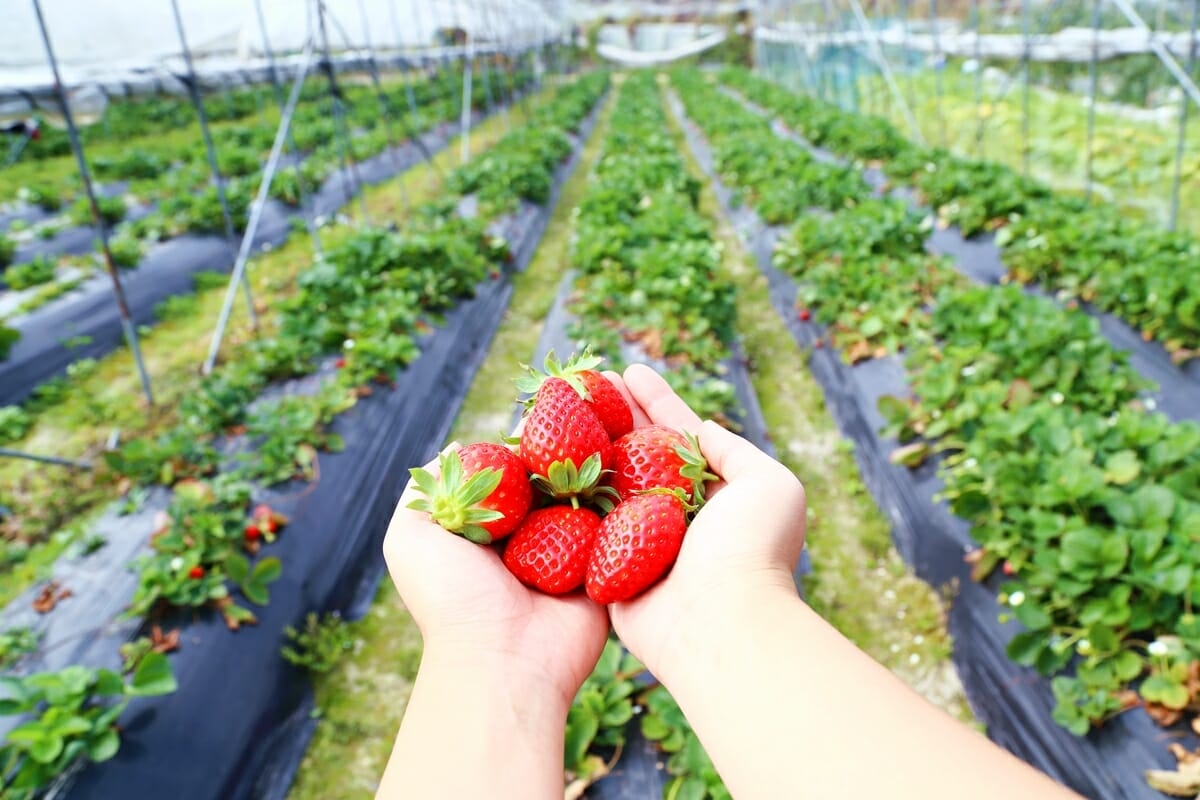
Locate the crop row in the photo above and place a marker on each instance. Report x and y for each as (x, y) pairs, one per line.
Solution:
(648, 277)
(1088, 250)
(354, 321)
(1081, 496)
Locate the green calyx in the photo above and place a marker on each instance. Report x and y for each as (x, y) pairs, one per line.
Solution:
(689, 508)
(695, 467)
(551, 368)
(564, 481)
(453, 501)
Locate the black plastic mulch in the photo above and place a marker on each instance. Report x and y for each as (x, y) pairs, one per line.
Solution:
(90, 310)
(242, 717)
(1014, 702)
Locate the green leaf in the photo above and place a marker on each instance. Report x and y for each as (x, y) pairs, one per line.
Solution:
(108, 683)
(653, 727)
(237, 567)
(268, 570)
(256, 592)
(45, 750)
(1122, 467)
(582, 727)
(104, 746)
(153, 677)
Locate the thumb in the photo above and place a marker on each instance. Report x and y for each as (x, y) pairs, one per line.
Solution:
(730, 456)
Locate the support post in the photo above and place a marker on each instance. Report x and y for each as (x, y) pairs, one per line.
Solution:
(85, 175)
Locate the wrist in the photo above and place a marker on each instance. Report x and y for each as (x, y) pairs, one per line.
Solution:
(727, 619)
(507, 677)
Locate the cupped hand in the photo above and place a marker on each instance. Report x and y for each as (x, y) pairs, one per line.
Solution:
(470, 607)
(743, 543)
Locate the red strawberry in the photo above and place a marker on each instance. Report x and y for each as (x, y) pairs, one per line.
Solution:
(340, 363)
(253, 533)
(563, 443)
(483, 492)
(805, 315)
(196, 572)
(1008, 569)
(637, 544)
(580, 371)
(657, 458)
(551, 549)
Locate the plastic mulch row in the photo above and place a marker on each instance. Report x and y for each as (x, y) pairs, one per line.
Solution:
(1014, 702)
(980, 259)
(242, 717)
(89, 311)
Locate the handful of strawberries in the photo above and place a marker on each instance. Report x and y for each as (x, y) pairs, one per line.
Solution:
(585, 500)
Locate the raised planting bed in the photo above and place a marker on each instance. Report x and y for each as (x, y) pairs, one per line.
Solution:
(84, 323)
(240, 718)
(1007, 391)
(979, 257)
(1122, 266)
(646, 285)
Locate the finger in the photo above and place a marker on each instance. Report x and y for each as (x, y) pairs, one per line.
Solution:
(659, 401)
(731, 456)
(640, 420)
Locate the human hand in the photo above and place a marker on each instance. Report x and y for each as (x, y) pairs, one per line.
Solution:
(743, 544)
(471, 610)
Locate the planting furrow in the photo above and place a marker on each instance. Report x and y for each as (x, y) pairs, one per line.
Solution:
(84, 322)
(1021, 394)
(979, 258)
(1120, 266)
(329, 545)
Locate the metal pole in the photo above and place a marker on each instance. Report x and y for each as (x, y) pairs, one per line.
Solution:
(1180, 143)
(1025, 86)
(911, 100)
(349, 164)
(938, 66)
(101, 228)
(194, 91)
(1160, 50)
(384, 106)
(975, 12)
(260, 203)
(269, 52)
(889, 77)
(465, 123)
(1093, 83)
(62, 462)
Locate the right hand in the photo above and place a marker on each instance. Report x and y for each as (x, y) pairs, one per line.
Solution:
(741, 549)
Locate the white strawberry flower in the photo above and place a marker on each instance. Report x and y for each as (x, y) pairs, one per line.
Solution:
(177, 563)
(1157, 648)
(1016, 598)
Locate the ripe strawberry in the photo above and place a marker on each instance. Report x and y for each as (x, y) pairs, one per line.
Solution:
(196, 572)
(1008, 569)
(253, 533)
(805, 315)
(551, 549)
(637, 544)
(340, 363)
(483, 492)
(564, 444)
(656, 457)
(580, 371)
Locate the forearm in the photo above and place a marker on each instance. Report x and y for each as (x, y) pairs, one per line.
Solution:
(787, 707)
(474, 729)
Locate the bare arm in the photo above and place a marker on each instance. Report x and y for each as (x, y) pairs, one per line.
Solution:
(784, 705)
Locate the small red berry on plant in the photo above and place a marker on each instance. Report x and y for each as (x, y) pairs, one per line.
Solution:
(196, 572)
(253, 533)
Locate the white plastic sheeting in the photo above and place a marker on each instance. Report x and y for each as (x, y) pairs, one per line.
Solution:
(110, 41)
(1069, 44)
(646, 58)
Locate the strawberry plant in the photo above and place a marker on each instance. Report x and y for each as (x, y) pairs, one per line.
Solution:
(16, 643)
(8, 249)
(31, 273)
(288, 433)
(73, 715)
(599, 716)
(15, 422)
(112, 211)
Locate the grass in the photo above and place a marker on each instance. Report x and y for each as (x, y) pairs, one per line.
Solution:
(859, 583)
(108, 397)
(354, 737)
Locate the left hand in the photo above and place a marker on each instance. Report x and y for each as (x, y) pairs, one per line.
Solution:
(471, 609)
